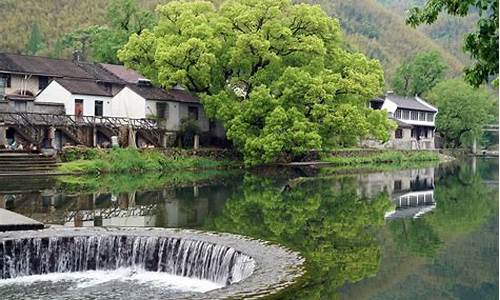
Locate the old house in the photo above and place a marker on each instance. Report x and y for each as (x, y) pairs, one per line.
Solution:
(89, 92)
(415, 119)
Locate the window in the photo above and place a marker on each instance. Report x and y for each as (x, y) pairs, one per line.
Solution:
(414, 115)
(193, 112)
(413, 133)
(43, 82)
(406, 114)
(162, 110)
(399, 133)
(397, 185)
(397, 114)
(98, 108)
(430, 117)
(421, 116)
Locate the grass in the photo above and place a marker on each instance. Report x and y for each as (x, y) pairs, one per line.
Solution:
(135, 161)
(386, 157)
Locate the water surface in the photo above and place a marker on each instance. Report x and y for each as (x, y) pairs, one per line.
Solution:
(428, 232)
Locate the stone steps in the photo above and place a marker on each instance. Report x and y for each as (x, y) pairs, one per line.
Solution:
(24, 163)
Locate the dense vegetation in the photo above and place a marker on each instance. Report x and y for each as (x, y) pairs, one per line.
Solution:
(463, 111)
(368, 26)
(481, 43)
(133, 161)
(274, 73)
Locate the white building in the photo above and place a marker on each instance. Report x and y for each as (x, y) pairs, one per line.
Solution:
(415, 118)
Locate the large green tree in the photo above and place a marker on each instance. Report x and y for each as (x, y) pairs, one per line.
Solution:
(481, 44)
(463, 111)
(420, 74)
(274, 73)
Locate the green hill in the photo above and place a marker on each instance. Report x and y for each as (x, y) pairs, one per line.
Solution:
(376, 29)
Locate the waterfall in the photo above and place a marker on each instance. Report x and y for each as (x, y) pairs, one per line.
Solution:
(190, 258)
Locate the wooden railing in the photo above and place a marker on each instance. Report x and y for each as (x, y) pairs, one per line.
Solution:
(23, 118)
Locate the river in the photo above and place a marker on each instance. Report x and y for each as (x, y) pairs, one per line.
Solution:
(429, 232)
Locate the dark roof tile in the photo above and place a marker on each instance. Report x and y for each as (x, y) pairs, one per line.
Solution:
(409, 103)
(35, 65)
(159, 94)
(84, 87)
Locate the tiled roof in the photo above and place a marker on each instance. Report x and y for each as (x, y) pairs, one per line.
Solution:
(100, 74)
(409, 103)
(35, 65)
(84, 87)
(155, 93)
(123, 73)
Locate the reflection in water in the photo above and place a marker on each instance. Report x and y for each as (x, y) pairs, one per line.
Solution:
(364, 236)
(411, 191)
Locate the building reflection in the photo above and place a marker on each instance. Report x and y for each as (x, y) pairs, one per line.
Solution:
(177, 207)
(411, 191)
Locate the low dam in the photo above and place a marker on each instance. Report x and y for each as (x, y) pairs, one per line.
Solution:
(216, 266)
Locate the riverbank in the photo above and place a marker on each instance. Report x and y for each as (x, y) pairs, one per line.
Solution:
(94, 161)
(361, 157)
(80, 161)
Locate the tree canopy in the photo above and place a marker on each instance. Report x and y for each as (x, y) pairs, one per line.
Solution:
(36, 41)
(101, 43)
(482, 44)
(274, 73)
(420, 74)
(463, 111)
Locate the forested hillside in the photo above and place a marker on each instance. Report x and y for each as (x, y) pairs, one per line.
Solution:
(369, 27)
(448, 31)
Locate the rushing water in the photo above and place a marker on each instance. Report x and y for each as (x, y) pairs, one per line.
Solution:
(429, 232)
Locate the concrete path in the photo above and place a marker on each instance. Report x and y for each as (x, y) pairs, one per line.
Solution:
(13, 221)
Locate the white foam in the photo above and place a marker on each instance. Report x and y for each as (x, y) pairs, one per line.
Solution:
(93, 278)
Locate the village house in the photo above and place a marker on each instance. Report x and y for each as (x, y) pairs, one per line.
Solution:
(415, 119)
(88, 92)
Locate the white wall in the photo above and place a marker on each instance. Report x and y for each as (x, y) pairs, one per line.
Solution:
(56, 93)
(89, 105)
(128, 104)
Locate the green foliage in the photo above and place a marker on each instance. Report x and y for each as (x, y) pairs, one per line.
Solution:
(482, 44)
(134, 161)
(420, 74)
(125, 17)
(385, 157)
(463, 111)
(331, 227)
(381, 33)
(274, 73)
(35, 41)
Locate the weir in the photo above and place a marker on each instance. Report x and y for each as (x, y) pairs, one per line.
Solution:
(238, 266)
(196, 259)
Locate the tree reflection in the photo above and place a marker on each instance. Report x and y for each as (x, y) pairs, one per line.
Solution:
(328, 222)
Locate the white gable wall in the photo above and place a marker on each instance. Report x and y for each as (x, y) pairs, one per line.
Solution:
(56, 93)
(128, 104)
